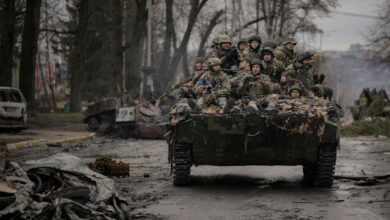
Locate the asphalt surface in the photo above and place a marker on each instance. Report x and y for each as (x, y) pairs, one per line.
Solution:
(246, 192)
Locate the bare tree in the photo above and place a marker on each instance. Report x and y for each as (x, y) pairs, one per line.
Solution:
(379, 34)
(205, 36)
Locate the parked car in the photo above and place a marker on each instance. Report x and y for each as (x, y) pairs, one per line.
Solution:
(13, 109)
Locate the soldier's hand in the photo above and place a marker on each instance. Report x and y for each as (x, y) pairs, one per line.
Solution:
(260, 79)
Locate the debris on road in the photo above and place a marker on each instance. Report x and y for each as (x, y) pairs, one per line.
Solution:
(58, 187)
(110, 167)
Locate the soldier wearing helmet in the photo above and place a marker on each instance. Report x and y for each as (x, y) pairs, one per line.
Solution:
(241, 45)
(254, 51)
(285, 53)
(299, 70)
(198, 71)
(226, 53)
(272, 68)
(236, 81)
(213, 86)
(295, 91)
(214, 46)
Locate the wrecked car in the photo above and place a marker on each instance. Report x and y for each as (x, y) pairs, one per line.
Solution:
(13, 109)
(58, 187)
(297, 131)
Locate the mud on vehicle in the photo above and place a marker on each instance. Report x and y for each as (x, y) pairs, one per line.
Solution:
(302, 131)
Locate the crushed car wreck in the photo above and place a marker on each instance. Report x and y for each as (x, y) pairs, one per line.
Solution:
(58, 187)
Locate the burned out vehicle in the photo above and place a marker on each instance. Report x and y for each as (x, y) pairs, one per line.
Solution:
(298, 131)
(13, 109)
(134, 119)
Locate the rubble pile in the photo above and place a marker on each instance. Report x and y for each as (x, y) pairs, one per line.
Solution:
(58, 187)
(110, 167)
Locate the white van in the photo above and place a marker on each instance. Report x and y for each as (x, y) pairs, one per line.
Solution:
(13, 108)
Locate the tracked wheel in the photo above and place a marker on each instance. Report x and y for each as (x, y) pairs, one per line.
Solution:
(182, 163)
(321, 173)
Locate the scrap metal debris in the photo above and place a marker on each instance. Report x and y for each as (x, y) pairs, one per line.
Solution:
(58, 187)
(109, 167)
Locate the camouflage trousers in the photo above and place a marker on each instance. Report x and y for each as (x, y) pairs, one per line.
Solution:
(208, 99)
(270, 100)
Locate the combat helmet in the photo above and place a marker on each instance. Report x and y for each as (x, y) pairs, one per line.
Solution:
(199, 60)
(224, 39)
(214, 62)
(270, 44)
(302, 56)
(255, 38)
(256, 62)
(267, 50)
(244, 58)
(295, 87)
(242, 40)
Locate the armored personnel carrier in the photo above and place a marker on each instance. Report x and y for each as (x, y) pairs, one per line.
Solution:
(297, 131)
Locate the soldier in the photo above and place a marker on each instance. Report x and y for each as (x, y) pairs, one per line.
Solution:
(285, 53)
(241, 45)
(213, 86)
(299, 70)
(272, 68)
(197, 73)
(257, 85)
(227, 54)
(254, 51)
(318, 79)
(214, 47)
(236, 82)
(295, 91)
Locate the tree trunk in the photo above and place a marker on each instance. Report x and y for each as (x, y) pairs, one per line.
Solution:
(169, 35)
(136, 40)
(28, 54)
(7, 43)
(213, 22)
(194, 11)
(76, 63)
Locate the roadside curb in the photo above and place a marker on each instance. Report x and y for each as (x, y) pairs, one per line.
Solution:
(70, 140)
(41, 143)
(24, 144)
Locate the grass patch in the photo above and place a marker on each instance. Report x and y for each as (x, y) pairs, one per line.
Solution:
(62, 117)
(375, 127)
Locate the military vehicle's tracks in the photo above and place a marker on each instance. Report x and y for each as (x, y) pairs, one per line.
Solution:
(321, 173)
(182, 164)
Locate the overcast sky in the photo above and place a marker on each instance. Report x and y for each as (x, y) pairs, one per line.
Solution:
(342, 30)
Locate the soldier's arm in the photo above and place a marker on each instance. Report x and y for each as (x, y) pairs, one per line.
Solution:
(199, 86)
(279, 55)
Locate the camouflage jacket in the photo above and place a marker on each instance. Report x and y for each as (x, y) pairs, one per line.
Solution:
(220, 80)
(228, 57)
(300, 72)
(274, 69)
(251, 53)
(256, 85)
(285, 56)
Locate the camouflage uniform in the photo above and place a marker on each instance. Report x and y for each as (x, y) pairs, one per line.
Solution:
(253, 53)
(285, 55)
(228, 57)
(273, 68)
(221, 87)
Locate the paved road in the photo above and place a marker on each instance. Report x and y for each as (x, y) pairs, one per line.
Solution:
(249, 192)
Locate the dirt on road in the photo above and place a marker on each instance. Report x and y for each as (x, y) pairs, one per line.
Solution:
(246, 192)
